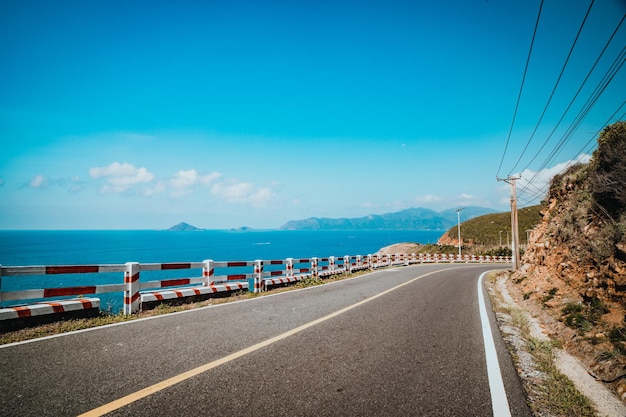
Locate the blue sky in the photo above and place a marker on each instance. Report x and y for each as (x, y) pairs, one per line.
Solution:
(138, 115)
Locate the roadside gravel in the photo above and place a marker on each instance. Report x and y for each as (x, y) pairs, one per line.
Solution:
(510, 315)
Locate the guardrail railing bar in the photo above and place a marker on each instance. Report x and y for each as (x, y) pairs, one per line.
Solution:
(295, 269)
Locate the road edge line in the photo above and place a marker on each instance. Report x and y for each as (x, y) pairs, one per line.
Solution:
(499, 401)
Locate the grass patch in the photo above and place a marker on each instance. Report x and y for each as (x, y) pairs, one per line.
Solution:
(519, 320)
(63, 327)
(550, 295)
(558, 393)
(551, 393)
(617, 336)
(582, 317)
(520, 279)
(310, 282)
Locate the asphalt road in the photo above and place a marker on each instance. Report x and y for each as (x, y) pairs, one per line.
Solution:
(381, 344)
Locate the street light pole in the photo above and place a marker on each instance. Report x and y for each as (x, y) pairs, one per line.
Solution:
(458, 215)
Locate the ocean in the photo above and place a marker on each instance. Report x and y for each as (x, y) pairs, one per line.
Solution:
(22, 248)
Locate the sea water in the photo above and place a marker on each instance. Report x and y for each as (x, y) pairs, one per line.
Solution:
(22, 248)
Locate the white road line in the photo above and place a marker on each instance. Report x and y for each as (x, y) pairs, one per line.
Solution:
(499, 402)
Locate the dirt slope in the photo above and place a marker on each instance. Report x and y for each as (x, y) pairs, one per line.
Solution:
(573, 272)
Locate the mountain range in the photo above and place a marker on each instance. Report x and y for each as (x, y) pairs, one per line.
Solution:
(409, 219)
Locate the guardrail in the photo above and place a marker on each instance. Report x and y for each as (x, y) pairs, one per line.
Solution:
(255, 276)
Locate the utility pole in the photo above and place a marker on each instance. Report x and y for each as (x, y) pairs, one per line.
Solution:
(458, 216)
(514, 227)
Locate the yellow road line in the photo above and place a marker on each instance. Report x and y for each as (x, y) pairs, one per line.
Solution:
(131, 398)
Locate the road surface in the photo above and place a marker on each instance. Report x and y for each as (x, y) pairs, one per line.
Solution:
(405, 341)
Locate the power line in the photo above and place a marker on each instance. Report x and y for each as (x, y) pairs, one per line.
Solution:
(530, 191)
(519, 95)
(591, 101)
(576, 95)
(593, 98)
(557, 149)
(555, 86)
(584, 150)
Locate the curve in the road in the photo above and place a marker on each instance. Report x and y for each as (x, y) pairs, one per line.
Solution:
(131, 398)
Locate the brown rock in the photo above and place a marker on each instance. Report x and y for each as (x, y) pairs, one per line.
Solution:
(610, 370)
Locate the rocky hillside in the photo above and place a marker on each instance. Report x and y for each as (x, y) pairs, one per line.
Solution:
(575, 263)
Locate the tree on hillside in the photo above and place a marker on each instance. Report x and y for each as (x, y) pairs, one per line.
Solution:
(608, 170)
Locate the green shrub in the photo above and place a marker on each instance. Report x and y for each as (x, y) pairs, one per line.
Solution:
(551, 293)
(501, 251)
(617, 334)
(310, 282)
(583, 317)
(575, 318)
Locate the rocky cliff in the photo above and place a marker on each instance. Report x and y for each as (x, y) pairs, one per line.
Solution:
(575, 265)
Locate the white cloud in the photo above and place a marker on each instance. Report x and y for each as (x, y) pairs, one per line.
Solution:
(444, 202)
(261, 197)
(73, 184)
(209, 178)
(39, 182)
(233, 192)
(120, 177)
(243, 192)
(428, 199)
(182, 183)
(157, 188)
(471, 200)
(114, 170)
(184, 179)
(537, 182)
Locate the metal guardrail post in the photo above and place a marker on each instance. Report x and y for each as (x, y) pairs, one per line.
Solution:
(208, 272)
(314, 268)
(131, 293)
(257, 281)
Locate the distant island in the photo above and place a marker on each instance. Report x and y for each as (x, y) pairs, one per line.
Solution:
(409, 219)
(184, 227)
(241, 229)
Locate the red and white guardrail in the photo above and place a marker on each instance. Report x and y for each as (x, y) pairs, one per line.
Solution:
(255, 276)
